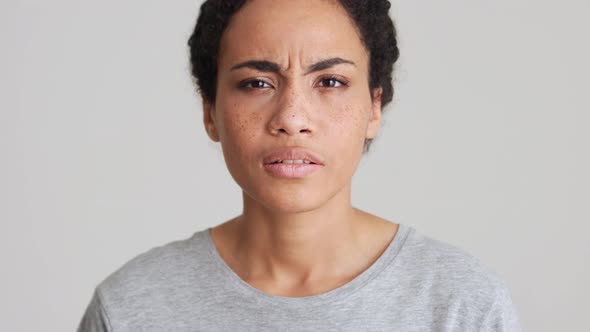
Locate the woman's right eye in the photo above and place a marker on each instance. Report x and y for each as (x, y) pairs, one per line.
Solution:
(255, 84)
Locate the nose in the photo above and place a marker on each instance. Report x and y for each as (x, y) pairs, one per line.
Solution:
(292, 114)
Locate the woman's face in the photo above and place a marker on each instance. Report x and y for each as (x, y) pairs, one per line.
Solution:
(292, 74)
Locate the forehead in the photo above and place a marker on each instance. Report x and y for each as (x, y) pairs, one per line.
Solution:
(287, 31)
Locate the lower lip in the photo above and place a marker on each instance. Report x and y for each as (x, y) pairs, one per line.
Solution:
(292, 171)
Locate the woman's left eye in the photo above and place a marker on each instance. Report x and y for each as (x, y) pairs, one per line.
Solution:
(331, 82)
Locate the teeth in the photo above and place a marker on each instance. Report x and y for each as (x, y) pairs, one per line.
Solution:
(294, 162)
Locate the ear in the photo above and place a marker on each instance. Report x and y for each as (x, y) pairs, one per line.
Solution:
(375, 119)
(209, 119)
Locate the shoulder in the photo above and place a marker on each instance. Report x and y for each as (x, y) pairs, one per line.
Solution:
(450, 264)
(156, 270)
(148, 287)
(450, 277)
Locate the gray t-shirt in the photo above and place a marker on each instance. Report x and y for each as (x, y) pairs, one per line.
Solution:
(417, 284)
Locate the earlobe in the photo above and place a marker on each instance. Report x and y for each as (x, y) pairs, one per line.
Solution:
(209, 120)
(375, 119)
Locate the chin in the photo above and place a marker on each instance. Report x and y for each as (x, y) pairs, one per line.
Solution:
(285, 201)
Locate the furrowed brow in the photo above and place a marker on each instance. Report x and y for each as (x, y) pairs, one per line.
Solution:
(328, 63)
(260, 65)
(268, 66)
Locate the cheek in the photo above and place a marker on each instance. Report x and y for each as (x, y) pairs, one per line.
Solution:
(350, 111)
(348, 126)
(233, 123)
(347, 129)
(240, 132)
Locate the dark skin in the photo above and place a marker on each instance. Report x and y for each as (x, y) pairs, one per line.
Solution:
(295, 237)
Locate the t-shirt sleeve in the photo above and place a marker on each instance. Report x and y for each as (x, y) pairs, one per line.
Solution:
(95, 318)
(502, 316)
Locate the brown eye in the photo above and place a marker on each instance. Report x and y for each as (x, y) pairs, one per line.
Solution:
(331, 82)
(255, 84)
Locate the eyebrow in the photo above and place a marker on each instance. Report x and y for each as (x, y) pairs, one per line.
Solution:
(268, 66)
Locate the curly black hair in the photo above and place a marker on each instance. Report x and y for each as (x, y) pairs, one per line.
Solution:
(376, 28)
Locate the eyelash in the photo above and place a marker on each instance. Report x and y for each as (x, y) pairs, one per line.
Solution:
(342, 82)
(245, 84)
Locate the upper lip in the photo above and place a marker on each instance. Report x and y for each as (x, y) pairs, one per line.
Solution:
(292, 153)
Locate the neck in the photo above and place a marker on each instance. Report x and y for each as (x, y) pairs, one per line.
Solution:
(325, 242)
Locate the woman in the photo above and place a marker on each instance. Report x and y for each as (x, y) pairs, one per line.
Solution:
(293, 91)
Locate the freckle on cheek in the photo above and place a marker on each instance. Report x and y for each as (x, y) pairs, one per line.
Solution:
(249, 122)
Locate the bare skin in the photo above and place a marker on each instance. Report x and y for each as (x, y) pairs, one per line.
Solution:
(285, 267)
(295, 237)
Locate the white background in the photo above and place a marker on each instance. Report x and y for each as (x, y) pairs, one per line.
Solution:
(103, 154)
